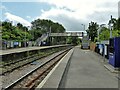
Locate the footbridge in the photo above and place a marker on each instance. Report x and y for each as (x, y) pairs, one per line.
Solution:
(79, 34)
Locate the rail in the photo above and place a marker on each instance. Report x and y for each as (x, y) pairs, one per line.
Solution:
(29, 84)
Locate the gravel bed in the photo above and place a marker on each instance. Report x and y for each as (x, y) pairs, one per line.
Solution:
(16, 74)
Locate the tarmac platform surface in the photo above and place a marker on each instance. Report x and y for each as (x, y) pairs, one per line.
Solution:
(85, 70)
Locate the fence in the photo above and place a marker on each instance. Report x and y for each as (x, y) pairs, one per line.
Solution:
(14, 44)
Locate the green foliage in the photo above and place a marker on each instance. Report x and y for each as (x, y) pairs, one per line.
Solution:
(92, 30)
(15, 33)
(114, 22)
(73, 40)
(6, 35)
(41, 26)
(104, 34)
(35, 34)
(115, 33)
(118, 24)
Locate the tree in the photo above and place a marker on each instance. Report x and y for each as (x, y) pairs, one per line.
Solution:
(19, 25)
(42, 26)
(92, 30)
(73, 40)
(114, 21)
(104, 34)
(118, 24)
(35, 34)
(16, 33)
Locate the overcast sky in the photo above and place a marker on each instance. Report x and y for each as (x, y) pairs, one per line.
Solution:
(70, 13)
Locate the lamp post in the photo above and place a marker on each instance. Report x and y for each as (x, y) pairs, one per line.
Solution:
(110, 27)
(25, 37)
(49, 35)
(99, 33)
(83, 28)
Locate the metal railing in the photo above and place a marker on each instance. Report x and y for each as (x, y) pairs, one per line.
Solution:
(41, 39)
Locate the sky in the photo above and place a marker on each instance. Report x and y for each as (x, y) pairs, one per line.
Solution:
(72, 14)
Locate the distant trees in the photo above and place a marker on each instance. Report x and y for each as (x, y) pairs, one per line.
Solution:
(92, 30)
(104, 33)
(117, 26)
(41, 26)
(73, 40)
(15, 33)
(45, 25)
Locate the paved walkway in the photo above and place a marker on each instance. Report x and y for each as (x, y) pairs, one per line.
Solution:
(87, 71)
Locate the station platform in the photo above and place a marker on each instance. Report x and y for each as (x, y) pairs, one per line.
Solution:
(80, 69)
(19, 50)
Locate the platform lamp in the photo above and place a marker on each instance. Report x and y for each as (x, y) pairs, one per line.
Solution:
(83, 29)
(49, 35)
(83, 26)
(110, 26)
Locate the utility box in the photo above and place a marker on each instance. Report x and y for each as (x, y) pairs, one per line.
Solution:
(114, 52)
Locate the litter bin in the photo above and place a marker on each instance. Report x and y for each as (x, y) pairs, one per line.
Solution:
(101, 49)
(107, 56)
(4, 45)
(97, 48)
(16, 44)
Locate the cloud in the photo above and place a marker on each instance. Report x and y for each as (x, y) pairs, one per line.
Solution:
(102, 17)
(85, 6)
(67, 18)
(2, 7)
(104, 11)
(73, 13)
(69, 23)
(16, 19)
(28, 17)
(19, 0)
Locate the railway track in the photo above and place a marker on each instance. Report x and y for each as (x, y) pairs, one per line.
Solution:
(32, 78)
(22, 62)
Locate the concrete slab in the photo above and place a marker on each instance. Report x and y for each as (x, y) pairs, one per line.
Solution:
(53, 79)
(112, 69)
(87, 71)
